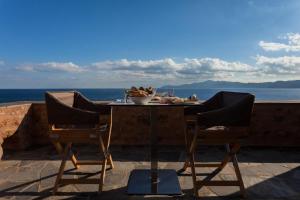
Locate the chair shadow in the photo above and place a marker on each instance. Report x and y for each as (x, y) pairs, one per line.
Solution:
(166, 154)
(286, 184)
(10, 191)
(282, 186)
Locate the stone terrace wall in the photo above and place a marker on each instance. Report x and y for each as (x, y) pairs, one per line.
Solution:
(15, 124)
(273, 124)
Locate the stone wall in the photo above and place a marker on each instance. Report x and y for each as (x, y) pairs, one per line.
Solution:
(15, 126)
(131, 125)
(273, 124)
(40, 124)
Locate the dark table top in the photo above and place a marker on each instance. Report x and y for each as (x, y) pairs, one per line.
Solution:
(152, 104)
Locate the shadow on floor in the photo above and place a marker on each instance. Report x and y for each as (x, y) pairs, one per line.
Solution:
(282, 186)
(166, 154)
(18, 189)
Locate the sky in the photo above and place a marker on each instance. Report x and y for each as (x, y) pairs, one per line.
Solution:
(120, 43)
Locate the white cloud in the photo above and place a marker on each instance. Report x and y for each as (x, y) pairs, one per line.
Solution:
(169, 69)
(213, 68)
(199, 69)
(273, 46)
(167, 65)
(292, 45)
(200, 65)
(156, 69)
(2, 63)
(119, 73)
(53, 66)
(134, 71)
(293, 38)
(279, 65)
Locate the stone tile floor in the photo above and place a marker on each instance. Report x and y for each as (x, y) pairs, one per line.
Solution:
(268, 173)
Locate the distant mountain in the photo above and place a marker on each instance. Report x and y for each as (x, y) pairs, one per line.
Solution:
(227, 84)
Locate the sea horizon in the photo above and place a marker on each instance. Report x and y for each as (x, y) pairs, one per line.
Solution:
(111, 94)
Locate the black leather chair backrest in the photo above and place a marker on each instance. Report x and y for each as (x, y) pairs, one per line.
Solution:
(227, 108)
(230, 98)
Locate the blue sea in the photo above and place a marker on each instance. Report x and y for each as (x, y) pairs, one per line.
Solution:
(13, 95)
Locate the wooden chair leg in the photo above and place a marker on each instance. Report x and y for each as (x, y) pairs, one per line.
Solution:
(192, 163)
(186, 164)
(187, 145)
(110, 161)
(62, 167)
(232, 151)
(187, 160)
(102, 176)
(58, 147)
(231, 156)
(228, 157)
(59, 150)
(103, 170)
(75, 161)
(238, 175)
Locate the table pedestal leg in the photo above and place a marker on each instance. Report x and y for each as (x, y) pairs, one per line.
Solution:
(153, 147)
(153, 181)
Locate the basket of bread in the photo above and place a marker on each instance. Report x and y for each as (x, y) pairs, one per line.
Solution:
(141, 95)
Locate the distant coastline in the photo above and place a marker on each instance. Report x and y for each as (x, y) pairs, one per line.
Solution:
(227, 84)
(37, 95)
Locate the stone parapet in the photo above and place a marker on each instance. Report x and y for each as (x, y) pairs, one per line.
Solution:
(15, 126)
(273, 124)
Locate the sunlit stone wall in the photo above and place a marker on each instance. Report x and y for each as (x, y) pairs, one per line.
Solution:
(273, 124)
(15, 123)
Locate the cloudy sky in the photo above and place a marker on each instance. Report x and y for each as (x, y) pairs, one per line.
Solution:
(119, 43)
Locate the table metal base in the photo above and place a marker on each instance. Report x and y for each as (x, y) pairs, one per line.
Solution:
(139, 183)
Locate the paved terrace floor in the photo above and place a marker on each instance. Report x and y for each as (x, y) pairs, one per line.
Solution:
(268, 173)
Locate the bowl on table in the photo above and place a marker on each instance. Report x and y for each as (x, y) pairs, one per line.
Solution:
(141, 100)
(141, 96)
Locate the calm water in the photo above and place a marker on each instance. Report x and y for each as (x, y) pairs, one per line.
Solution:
(12, 95)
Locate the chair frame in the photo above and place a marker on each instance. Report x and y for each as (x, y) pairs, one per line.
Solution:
(198, 123)
(232, 147)
(64, 138)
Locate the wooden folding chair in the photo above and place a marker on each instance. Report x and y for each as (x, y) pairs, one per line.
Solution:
(222, 120)
(74, 119)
